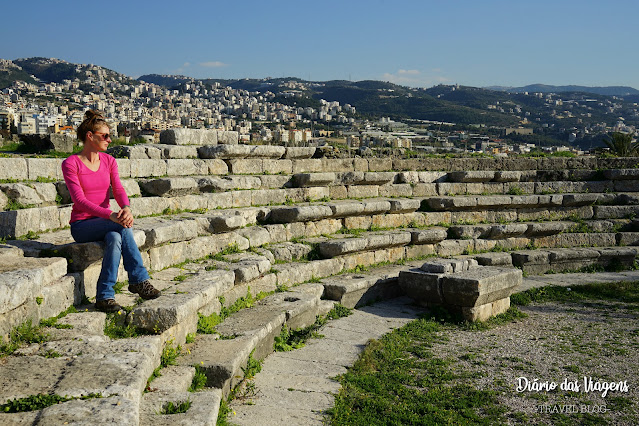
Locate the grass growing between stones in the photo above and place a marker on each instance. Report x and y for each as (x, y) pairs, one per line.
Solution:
(176, 407)
(440, 370)
(39, 402)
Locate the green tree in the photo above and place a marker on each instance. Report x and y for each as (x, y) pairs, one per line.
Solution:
(622, 145)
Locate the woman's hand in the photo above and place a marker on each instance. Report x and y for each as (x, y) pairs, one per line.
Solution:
(125, 217)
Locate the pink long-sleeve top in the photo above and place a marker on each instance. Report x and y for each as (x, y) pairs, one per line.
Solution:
(89, 190)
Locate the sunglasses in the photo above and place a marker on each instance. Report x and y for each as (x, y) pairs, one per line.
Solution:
(105, 136)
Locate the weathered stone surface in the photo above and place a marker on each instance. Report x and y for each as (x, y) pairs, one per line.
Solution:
(203, 409)
(299, 152)
(246, 166)
(241, 151)
(404, 205)
(160, 231)
(170, 187)
(187, 167)
(342, 246)
(221, 360)
(299, 213)
(314, 179)
(228, 137)
(453, 247)
(428, 236)
(24, 279)
(362, 191)
(22, 194)
(494, 259)
(500, 232)
(177, 151)
(580, 199)
(508, 176)
(470, 231)
(540, 229)
(353, 290)
(147, 168)
(448, 266)
(479, 286)
(421, 286)
(615, 212)
(189, 137)
(190, 296)
(622, 174)
(42, 167)
(471, 176)
(14, 168)
(486, 311)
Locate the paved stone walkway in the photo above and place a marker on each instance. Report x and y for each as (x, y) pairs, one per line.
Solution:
(297, 387)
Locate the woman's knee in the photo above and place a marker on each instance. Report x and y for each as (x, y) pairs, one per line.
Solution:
(113, 238)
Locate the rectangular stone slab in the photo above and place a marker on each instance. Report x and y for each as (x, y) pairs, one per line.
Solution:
(479, 286)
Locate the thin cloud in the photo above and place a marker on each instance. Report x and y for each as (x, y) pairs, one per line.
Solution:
(415, 78)
(213, 64)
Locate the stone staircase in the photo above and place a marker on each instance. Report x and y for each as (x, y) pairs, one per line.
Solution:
(288, 235)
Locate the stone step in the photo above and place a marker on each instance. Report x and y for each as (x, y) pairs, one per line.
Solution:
(366, 242)
(203, 409)
(541, 261)
(117, 370)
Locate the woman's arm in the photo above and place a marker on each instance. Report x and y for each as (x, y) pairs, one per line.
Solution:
(124, 216)
(71, 178)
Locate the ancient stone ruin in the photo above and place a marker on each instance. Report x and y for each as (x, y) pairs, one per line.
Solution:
(224, 225)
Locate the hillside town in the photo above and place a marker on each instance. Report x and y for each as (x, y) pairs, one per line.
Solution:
(141, 110)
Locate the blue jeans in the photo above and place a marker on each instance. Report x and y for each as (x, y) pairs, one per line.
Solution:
(118, 242)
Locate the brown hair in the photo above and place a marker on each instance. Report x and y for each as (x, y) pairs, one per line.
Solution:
(92, 120)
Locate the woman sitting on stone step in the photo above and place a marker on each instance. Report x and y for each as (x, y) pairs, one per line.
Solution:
(89, 175)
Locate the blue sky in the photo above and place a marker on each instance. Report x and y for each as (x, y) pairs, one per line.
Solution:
(415, 43)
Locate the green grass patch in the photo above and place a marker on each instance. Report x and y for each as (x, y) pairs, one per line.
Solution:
(199, 380)
(39, 402)
(24, 334)
(176, 407)
(206, 323)
(626, 292)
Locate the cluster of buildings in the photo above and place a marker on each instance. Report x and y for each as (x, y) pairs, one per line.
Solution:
(140, 109)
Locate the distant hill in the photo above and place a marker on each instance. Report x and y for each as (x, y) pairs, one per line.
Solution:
(165, 80)
(47, 69)
(10, 72)
(545, 88)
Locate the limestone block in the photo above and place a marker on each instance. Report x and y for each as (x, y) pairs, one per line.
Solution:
(299, 213)
(124, 167)
(479, 286)
(451, 203)
(349, 178)
(360, 164)
(277, 166)
(494, 201)
(562, 255)
(186, 167)
(470, 231)
(190, 295)
(262, 197)
(380, 164)
(421, 286)
(337, 164)
(289, 251)
(228, 137)
(520, 187)
(428, 236)
(451, 188)
(21, 193)
(161, 231)
(444, 266)
(420, 251)
(322, 227)
(341, 246)
(223, 223)
(43, 167)
(354, 290)
(424, 190)
(392, 220)
(255, 235)
(388, 239)
(145, 206)
(216, 167)
(580, 199)
(227, 183)
(4, 201)
(16, 223)
(622, 174)
(494, 259)
(404, 205)
(177, 151)
(362, 191)
(625, 186)
(358, 222)
(376, 206)
(469, 216)
(542, 229)
(615, 212)
(628, 238)
(500, 232)
(246, 166)
(338, 192)
(299, 152)
(453, 247)
(241, 151)
(471, 176)
(248, 267)
(487, 311)
(434, 218)
(148, 168)
(14, 168)
(242, 198)
(396, 190)
(169, 187)
(534, 261)
(351, 261)
(189, 137)
(310, 165)
(408, 177)
(276, 181)
(25, 280)
(346, 208)
(314, 179)
(507, 176)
